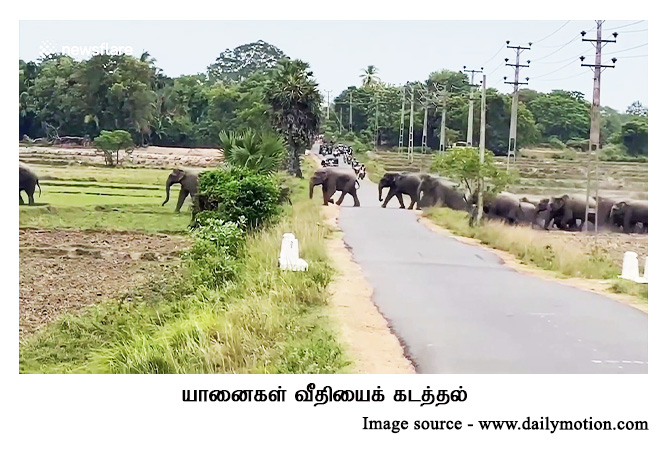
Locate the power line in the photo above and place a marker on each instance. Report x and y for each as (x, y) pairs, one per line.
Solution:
(632, 48)
(570, 41)
(627, 25)
(553, 33)
(570, 61)
(632, 31)
(563, 78)
(498, 52)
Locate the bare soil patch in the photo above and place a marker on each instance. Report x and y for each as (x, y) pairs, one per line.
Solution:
(363, 329)
(66, 271)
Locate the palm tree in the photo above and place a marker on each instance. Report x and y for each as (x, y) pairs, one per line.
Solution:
(295, 108)
(261, 153)
(369, 76)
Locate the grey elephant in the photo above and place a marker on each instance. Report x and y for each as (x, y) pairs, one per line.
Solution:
(332, 179)
(399, 184)
(435, 191)
(566, 210)
(28, 180)
(189, 185)
(504, 206)
(527, 212)
(628, 213)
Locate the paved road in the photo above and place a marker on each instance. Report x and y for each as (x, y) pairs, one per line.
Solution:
(458, 309)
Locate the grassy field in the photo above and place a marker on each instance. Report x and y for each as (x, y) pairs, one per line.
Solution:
(104, 198)
(263, 321)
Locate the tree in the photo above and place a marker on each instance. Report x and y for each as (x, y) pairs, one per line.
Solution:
(259, 153)
(369, 76)
(564, 114)
(637, 109)
(635, 136)
(241, 62)
(295, 104)
(111, 142)
(462, 164)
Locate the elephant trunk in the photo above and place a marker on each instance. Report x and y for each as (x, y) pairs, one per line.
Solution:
(312, 184)
(168, 187)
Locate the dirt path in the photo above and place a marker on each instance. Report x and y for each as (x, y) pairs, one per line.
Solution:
(595, 286)
(364, 330)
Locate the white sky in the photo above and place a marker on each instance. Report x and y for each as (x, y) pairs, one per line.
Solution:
(402, 50)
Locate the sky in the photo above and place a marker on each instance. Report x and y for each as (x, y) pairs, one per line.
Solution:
(338, 51)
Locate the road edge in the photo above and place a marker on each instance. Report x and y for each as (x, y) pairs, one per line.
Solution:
(591, 285)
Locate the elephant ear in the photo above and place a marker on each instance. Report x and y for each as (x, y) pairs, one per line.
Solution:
(178, 175)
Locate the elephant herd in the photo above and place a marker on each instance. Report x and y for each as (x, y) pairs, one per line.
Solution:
(565, 212)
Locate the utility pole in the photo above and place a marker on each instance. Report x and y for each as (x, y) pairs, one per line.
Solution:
(424, 137)
(514, 102)
(482, 149)
(350, 111)
(442, 133)
(340, 120)
(328, 103)
(410, 147)
(470, 115)
(402, 122)
(595, 120)
(376, 119)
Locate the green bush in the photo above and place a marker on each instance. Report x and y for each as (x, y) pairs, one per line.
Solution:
(237, 195)
(556, 143)
(578, 143)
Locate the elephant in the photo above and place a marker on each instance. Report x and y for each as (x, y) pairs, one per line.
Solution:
(434, 191)
(528, 212)
(566, 210)
(189, 185)
(628, 213)
(27, 182)
(505, 206)
(333, 179)
(401, 183)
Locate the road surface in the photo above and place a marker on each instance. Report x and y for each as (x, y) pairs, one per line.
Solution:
(458, 309)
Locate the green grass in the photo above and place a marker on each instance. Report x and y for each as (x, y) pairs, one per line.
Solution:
(638, 290)
(145, 218)
(104, 198)
(264, 321)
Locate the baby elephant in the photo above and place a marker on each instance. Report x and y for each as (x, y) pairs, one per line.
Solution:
(189, 185)
(332, 179)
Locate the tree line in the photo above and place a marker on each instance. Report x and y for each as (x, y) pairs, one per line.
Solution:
(257, 87)
(558, 118)
(252, 87)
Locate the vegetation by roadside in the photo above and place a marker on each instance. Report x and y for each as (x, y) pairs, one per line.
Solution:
(230, 309)
(539, 249)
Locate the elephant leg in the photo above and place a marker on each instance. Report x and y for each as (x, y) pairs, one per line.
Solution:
(402, 204)
(389, 196)
(327, 196)
(342, 196)
(414, 200)
(181, 199)
(21, 202)
(627, 228)
(31, 198)
(355, 197)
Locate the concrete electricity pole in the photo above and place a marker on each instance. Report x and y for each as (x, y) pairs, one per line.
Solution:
(328, 103)
(402, 122)
(376, 118)
(350, 111)
(482, 150)
(410, 147)
(514, 102)
(442, 130)
(595, 120)
(470, 115)
(340, 120)
(424, 137)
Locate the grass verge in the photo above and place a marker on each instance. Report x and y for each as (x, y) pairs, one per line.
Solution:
(538, 249)
(263, 320)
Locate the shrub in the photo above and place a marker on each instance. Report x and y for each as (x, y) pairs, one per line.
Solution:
(237, 195)
(556, 143)
(111, 142)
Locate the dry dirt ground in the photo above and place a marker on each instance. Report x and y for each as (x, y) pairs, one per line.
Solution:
(365, 332)
(67, 271)
(152, 156)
